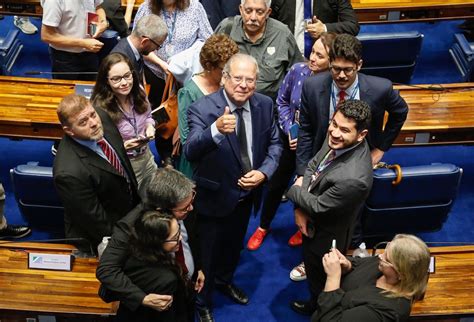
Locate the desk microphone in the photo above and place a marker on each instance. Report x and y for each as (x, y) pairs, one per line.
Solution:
(62, 240)
(36, 72)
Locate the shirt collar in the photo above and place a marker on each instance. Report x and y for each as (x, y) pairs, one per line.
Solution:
(91, 144)
(135, 51)
(350, 90)
(342, 151)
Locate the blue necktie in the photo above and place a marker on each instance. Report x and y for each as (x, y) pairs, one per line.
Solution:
(308, 41)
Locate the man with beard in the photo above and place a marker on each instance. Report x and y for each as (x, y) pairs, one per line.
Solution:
(150, 32)
(267, 40)
(92, 173)
(329, 196)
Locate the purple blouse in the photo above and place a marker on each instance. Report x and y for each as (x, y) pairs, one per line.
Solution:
(289, 95)
(133, 124)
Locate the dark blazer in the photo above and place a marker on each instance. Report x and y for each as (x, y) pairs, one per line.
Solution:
(94, 195)
(337, 15)
(314, 114)
(337, 194)
(115, 15)
(116, 285)
(123, 47)
(217, 168)
(158, 279)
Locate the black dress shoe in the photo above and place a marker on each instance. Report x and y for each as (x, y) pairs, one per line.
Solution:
(205, 315)
(235, 293)
(303, 307)
(12, 231)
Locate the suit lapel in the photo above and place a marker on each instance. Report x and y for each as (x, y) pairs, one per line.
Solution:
(257, 117)
(325, 99)
(364, 89)
(324, 150)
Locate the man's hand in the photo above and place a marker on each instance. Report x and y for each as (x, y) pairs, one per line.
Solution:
(158, 302)
(376, 155)
(101, 27)
(92, 45)
(299, 181)
(316, 28)
(251, 180)
(301, 221)
(227, 122)
(293, 143)
(199, 281)
(332, 267)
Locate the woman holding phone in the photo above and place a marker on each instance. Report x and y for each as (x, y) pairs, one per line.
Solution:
(118, 91)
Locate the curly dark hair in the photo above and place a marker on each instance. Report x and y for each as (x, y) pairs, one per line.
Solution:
(157, 5)
(103, 96)
(347, 47)
(357, 110)
(217, 50)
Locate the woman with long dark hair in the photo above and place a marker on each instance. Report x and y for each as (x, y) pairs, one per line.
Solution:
(118, 91)
(153, 267)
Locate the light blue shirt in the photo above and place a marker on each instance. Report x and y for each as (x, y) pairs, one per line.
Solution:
(93, 146)
(352, 93)
(188, 256)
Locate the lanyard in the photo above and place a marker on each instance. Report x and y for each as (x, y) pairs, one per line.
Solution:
(173, 23)
(131, 121)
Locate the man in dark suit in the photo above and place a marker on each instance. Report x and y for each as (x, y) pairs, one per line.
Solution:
(323, 93)
(327, 15)
(334, 187)
(92, 173)
(230, 168)
(167, 190)
(150, 32)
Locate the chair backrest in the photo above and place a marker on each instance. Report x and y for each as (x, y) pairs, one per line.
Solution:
(421, 202)
(37, 198)
(10, 48)
(391, 55)
(462, 53)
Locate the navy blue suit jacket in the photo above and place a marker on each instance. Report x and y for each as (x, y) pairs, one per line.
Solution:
(123, 47)
(314, 114)
(217, 168)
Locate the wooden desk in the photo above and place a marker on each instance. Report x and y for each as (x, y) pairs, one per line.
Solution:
(451, 288)
(438, 117)
(377, 11)
(28, 106)
(29, 292)
(368, 11)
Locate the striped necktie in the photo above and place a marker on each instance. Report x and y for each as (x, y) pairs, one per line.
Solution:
(111, 156)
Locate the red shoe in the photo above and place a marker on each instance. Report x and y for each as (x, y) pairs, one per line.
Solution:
(296, 239)
(256, 240)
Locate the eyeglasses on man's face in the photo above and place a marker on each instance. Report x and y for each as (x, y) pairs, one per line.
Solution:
(241, 79)
(348, 71)
(186, 208)
(158, 46)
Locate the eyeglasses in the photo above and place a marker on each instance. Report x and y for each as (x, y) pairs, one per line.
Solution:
(158, 46)
(348, 71)
(176, 237)
(187, 208)
(240, 79)
(117, 79)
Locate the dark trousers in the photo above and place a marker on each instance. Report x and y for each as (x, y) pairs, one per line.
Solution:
(278, 183)
(73, 63)
(222, 240)
(315, 274)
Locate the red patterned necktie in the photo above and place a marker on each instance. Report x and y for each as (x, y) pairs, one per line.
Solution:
(342, 98)
(179, 256)
(111, 156)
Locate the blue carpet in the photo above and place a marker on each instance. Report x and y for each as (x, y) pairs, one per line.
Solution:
(264, 273)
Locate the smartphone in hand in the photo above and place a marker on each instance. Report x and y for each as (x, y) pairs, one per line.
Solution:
(293, 131)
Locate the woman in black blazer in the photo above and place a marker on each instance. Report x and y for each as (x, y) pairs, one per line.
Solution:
(152, 266)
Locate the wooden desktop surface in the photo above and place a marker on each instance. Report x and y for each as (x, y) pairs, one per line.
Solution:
(368, 11)
(51, 292)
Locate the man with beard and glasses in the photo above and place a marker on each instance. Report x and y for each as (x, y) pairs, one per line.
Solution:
(150, 32)
(328, 198)
(92, 173)
(267, 40)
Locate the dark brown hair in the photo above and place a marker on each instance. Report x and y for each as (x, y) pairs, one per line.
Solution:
(157, 5)
(103, 96)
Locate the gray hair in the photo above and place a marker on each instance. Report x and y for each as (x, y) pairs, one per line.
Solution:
(167, 188)
(240, 57)
(150, 26)
(267, 2)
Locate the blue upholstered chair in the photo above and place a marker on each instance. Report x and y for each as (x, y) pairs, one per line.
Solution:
(420, 202)
(10, 48)
(462, 53)
(391, 55)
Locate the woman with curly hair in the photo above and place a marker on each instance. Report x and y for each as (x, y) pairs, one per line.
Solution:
(118, 92)
(216, 51)
(152, 266)
(378, 288)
